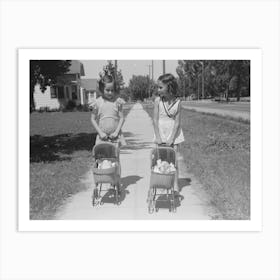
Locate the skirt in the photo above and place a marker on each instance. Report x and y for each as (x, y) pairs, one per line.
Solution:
(165, 131)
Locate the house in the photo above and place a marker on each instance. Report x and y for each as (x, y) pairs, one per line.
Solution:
(68, 87)
(89, 87)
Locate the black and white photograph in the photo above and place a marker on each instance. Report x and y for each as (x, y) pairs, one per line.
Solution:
(140, 139)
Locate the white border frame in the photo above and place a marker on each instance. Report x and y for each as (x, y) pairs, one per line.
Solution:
(254, 224)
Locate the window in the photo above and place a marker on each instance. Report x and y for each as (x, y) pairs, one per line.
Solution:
(74, 92)
(61, 92)
(53, 92)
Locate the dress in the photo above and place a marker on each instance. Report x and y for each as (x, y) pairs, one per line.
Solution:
(167, 115)
(107, 113)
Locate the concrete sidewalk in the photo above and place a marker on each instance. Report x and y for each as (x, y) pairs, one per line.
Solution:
(135, 165)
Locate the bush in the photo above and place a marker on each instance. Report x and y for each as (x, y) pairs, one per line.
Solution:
(83, 108)
(47, 109)
(70, 105)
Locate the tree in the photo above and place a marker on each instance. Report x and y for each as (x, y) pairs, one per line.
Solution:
(141, 87)
(214, 77)
(190, 74)
(109, 70)
(45, 73)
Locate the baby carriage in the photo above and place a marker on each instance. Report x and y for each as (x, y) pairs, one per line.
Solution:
(163, 181)
(106, 152)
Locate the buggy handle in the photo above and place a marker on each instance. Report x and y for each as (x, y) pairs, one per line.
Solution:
(163, 144)
(109, 139)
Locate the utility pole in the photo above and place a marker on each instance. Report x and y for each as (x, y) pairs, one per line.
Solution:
(116, 68)
(184, 87)
(202, 79)
(149, 92)
(197, 87)
(163, 67)
(152, 70)
(116, 86)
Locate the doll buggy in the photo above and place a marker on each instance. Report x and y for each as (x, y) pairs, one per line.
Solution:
(162, 181)
(110, 176)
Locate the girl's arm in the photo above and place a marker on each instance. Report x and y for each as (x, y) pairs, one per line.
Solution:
(155, 122)
(96, 126)
(176, 127)
(120, 124)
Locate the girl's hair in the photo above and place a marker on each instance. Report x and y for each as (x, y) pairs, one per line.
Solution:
(105, 80)
(171, 82)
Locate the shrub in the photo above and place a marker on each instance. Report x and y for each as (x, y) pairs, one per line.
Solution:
(83, 108)
(70, 105)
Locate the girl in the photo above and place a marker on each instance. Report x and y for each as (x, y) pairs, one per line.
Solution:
(107, 115)
(167, 115)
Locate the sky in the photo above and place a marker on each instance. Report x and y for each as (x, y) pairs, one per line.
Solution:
(130, 67)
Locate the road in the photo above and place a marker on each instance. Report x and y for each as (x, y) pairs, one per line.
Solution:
(233, 109)
(135, 163)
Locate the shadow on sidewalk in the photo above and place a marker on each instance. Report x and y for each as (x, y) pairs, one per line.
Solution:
(163, 201)
(109, 196)
(183, 182)
(132, 142)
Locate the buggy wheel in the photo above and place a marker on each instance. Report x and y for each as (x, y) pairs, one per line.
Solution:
(117, 189)
(95, 197)
(151, 209)
(151, 206)
(150, 195)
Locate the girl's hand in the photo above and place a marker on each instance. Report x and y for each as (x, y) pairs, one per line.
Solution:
(158, 141)
(114, 135)
(103, 136)
(169, 142)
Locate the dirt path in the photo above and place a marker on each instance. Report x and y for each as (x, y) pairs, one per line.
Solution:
(135, 163)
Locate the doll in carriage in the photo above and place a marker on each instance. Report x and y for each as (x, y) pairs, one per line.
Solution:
(106, 171)
(163, 170)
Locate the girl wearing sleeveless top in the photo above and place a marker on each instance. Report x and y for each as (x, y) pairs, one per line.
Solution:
(166, 119)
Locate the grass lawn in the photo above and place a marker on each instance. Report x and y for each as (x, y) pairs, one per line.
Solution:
(60, 153)
(217, 152)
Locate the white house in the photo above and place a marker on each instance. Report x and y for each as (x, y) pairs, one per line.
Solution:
(89, 88)
(68, 87)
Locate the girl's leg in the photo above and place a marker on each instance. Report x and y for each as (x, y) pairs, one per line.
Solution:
(176, 187)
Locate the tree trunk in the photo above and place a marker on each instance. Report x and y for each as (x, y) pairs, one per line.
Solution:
(32, 103)
(227, 95)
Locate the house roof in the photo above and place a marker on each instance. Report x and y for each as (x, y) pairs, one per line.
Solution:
(89, 84)
(76, 67)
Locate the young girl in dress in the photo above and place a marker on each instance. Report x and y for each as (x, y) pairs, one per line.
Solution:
(167, 115)
(107, 116)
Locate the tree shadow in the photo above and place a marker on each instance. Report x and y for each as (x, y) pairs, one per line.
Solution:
(59, 147)
(164, 201)
(132, 142)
